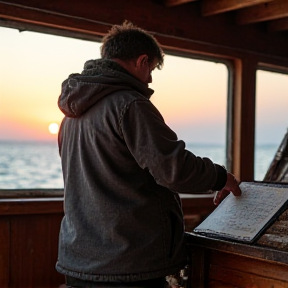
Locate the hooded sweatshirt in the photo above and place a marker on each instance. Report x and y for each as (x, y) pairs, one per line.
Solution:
(123, 168)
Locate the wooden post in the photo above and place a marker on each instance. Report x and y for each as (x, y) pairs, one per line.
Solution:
(243, 118)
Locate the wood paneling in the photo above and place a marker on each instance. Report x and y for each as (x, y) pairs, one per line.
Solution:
(232, 247)
(29, 237)
(29, 243)
(243, 111)
(30, 206)
(30, 193)
(217, 263)
(53, 20)
(34, 242)
(211, 7)
(183, 22)
(4, 251)
(234, 262)
(269, 11)
(244, 279)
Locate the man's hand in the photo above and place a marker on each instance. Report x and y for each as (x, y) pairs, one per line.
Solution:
(231, 186)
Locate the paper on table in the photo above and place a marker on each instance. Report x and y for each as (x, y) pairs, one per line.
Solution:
(243, 218)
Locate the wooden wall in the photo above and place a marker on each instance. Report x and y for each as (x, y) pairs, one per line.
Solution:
(226, 264)
(183, 22)
(28, 242)
(29, 237)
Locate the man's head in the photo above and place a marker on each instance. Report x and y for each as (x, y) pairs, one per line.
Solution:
(135, 49)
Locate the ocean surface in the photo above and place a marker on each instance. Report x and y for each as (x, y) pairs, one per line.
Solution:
(29, 165)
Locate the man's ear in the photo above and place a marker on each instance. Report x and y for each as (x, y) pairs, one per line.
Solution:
(142, 60)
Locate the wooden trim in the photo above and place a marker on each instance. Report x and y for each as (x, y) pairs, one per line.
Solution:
(44, 205)
(30, 193)
(243, 279)
(268, 11)
(171, 3)
(31, 206)
(213, 52)
(215, 31)
(273, 68)
(232, 247)
(212, 7)
(243, 135)
(14, 12)
(234, 262)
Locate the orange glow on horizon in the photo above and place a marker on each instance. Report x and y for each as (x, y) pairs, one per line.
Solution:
(25, 129)
(30, 105)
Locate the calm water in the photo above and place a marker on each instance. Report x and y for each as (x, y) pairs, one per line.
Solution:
(37, 164)
(30, 165)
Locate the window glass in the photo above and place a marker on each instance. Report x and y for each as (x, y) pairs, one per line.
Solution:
(190, 94)
(192, 97)
(271, 118)
(33, 66)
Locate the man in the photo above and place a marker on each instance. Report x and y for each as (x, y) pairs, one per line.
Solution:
(123, 168)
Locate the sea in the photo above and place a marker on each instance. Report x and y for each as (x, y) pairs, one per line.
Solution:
(34, 165)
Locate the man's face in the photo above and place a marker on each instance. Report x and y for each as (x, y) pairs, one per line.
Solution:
(145, 68)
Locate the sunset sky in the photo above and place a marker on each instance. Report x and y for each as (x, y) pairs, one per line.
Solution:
(190, 94)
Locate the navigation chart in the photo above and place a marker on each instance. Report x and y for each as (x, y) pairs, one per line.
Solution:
(243, 218)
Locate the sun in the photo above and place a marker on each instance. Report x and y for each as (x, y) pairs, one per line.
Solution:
(53, 128)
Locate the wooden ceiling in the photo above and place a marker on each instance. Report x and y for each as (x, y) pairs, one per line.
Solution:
(272, 12)
(220, 27)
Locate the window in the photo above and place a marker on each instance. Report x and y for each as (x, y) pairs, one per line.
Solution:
(192, 97)
(33, 66)
(190, 94)
(271, 118)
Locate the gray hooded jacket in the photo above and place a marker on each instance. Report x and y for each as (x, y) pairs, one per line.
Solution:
(122, 166)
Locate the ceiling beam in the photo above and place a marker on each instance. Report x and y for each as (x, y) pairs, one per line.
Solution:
(278, 25)
(268, 11)
(211, 7)
(10, 13)
(171, 3)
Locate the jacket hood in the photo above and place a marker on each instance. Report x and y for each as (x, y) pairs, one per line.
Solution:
(98, 79)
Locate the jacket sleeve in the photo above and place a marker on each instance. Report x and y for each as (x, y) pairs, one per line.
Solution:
(156, 148)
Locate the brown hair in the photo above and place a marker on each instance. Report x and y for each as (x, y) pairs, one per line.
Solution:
(127, 42)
